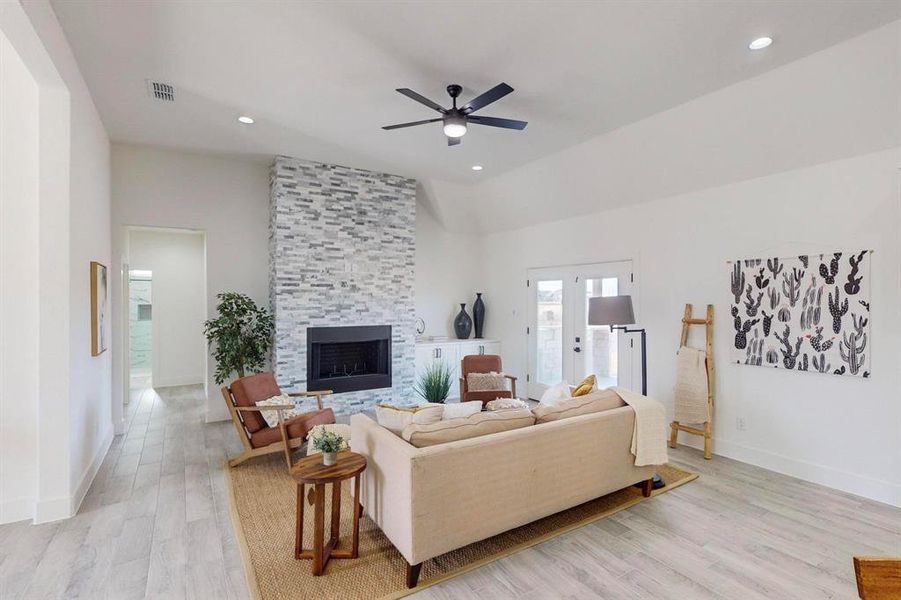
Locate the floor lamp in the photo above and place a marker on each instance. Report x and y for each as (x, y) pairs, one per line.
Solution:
(616, 312)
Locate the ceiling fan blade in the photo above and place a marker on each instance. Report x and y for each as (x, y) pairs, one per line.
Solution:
(496, 122)
(411, 124)
(453, 141)
(421, 99)
(492, 95)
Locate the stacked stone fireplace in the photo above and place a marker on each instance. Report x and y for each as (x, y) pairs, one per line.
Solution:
(342, 257)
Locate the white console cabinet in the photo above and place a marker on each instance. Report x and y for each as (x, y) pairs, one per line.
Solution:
(451, 352)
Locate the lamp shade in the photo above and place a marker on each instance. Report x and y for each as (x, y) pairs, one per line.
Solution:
(610, 310)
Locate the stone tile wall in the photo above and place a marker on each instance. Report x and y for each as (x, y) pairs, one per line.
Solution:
(341, 252)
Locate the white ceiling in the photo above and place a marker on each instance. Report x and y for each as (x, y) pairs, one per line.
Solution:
(319, 78)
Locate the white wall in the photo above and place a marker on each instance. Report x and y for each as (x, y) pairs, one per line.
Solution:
(815, 147)
(840, 431)
(227, 199)
(448, 272)
(177, 260)
(19, 315)
(73, 401)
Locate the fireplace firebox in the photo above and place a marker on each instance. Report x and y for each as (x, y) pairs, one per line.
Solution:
(349, 359)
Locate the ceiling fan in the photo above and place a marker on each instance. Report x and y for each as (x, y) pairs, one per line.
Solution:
(455, 119)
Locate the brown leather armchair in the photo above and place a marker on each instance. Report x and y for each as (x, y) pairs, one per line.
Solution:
(255, 434)
(484, 363)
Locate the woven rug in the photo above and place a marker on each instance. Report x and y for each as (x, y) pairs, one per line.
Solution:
(263, 498)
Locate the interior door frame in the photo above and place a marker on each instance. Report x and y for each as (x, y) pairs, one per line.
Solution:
(570, 275)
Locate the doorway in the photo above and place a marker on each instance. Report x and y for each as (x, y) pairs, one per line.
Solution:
(166, 294)
(140, 328)
(562, 345)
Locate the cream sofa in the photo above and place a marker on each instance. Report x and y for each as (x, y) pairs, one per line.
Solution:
(432, 500)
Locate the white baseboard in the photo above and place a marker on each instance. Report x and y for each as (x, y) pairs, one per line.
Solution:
(63, 507)
(20, 509)
(87, 478)
(879, 490)
(54, 509)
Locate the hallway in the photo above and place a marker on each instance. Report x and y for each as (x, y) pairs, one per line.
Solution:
(155, 522)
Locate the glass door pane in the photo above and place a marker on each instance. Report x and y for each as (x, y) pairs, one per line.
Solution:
(601, 346)
(549, 332)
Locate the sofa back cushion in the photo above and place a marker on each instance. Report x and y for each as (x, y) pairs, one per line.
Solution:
(396, 418)
(479, 424)
(581, 405)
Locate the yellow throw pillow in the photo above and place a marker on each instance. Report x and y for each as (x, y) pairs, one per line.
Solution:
(585, 386)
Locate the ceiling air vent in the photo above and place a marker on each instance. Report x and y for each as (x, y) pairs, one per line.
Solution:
(161, 91)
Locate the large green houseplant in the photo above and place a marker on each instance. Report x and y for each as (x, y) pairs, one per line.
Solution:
(242, 334)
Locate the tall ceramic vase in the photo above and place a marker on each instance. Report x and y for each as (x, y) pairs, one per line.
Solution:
(478, 315)
(462, 323)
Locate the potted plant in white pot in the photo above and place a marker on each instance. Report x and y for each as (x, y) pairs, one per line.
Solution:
(329, 443)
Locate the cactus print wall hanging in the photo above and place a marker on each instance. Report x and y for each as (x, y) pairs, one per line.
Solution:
(806, 313)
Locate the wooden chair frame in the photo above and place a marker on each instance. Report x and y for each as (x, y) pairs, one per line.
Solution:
(285, 445)
(878, 577)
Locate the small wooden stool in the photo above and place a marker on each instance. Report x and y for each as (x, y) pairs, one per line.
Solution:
(310, 471)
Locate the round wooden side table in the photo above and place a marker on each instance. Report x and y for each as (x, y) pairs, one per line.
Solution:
(310, 471)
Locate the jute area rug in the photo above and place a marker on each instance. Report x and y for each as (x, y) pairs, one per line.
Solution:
(263, 498)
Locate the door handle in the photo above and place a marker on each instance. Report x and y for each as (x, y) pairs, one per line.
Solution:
(577, 349)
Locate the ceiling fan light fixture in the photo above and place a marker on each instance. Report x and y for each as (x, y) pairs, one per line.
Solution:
(454, 127)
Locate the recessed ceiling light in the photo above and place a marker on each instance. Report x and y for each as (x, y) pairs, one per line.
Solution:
(760, 43)
(245, 120)
(476, 167)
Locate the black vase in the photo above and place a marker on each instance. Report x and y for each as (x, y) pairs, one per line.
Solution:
(478, 315)
(462, 323)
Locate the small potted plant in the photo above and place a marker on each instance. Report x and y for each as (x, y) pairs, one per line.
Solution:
(434, 383)
(329, 443)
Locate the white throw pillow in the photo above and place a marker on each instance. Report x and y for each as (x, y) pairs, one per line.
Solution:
(271, 416)
(458, 410)
(555, 394)
(395, 418)
(506, 403)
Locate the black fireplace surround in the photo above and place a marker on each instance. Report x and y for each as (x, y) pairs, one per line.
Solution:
(349, 359)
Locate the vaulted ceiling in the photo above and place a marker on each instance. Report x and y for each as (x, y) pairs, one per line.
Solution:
(319, 78)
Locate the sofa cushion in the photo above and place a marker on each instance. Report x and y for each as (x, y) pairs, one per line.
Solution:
(479, 424)
(395, 418)
(586, 386)
(581, 405)
(297, 427)
(458, 410)
(555, 394)
(505, 404)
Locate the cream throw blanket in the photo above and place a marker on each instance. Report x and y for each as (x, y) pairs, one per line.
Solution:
(690, 404)
(649, 431)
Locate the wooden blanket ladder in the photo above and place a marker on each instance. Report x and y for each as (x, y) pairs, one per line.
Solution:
(707, 432)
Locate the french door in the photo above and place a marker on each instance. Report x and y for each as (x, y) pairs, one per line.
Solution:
(562, 345)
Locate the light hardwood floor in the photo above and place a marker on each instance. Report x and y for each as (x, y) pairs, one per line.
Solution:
(156, 524)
